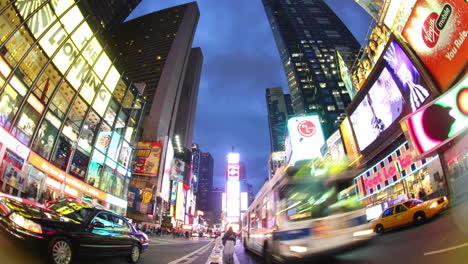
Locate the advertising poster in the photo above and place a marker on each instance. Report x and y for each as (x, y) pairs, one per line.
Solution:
(437, 30)
(146, 161)
(440, 120)
(377, 41)
(345, 75)
(306, 137)
(335, 147)
(373, 7)
(398, 91)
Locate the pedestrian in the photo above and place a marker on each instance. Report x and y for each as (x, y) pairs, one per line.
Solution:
(229, 241)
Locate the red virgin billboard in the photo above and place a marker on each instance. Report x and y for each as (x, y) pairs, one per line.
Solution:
(437, 31)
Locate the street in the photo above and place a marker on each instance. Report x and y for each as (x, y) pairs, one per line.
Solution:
(443, 239)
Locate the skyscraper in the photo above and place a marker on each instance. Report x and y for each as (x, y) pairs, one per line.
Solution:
(279, 109)
(188, 98)
(308, 34)
(155, 50)
(108, 14)
(205, 184)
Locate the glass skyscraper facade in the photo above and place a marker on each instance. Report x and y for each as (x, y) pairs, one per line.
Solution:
(69, 118)
(308, 35)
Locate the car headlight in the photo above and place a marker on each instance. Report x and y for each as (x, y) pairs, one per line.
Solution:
(25, 223)
(363, 232)
(433, 205)
(298, 249)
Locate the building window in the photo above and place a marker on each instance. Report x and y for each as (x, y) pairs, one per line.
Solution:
(331, 108)
(79, 165)
(45, 139)
(62, 153)
(9, 103)
(26, 125)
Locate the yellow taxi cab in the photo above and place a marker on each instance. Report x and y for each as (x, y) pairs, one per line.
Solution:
(410, 211)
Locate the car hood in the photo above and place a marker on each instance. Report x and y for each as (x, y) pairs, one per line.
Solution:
(36, 212)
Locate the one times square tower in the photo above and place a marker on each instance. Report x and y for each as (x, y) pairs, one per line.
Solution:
(308, 35)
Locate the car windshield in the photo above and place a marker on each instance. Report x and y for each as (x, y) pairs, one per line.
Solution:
(412, 203)
(76, 211)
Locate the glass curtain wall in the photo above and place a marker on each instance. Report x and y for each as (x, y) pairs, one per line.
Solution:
(61, 95)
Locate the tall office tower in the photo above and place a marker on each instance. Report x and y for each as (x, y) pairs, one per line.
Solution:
(216, 204)
(205, 183)
(188, 98)
(279, 109)
(155, 49)
(108, 14)
(308, 34)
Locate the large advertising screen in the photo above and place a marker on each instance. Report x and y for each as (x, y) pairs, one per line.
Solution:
(437, 31)
(349, 140)
(439, 121)
(397, 88)
(233, 198)
(306, 137)
(147, 156)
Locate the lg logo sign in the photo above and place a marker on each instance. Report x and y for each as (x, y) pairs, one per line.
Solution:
(306, 128)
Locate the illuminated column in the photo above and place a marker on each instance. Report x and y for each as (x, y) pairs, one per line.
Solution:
(233, 191)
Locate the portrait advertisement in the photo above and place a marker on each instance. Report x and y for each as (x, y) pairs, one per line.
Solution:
(45, 139)
(9, 102)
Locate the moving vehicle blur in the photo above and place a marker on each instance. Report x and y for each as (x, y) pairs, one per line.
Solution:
(67, 229)
(410, 211)
(301, 213)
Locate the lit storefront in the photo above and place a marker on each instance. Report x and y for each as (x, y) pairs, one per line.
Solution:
(400, 176)
(63, 101)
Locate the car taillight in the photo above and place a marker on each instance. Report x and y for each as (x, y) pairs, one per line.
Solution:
(25, 223)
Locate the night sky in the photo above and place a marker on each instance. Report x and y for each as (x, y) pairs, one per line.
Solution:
(240, 61)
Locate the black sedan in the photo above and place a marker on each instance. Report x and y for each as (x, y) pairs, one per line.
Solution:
(67, 229)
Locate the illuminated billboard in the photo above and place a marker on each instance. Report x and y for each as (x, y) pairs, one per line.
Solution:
(180, 203)
(233, 172)
(233, 198)
(345, 75)
(306, 137)
(398, 87)
(244, 205)
(377, 41)
(223, 203)
(233, 157)
(335, 148)
(147, 156)
(166, 183)
(92, 70)
(439, 121)
(437, 31)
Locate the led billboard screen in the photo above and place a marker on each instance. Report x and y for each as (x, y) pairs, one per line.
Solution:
(233, 172)
(437, 31)
(306, 137)
(439, 121)
(147, 156)
(233, 198)
(398, 89)
(244, 201)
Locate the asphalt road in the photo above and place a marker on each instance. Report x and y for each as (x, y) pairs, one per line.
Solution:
(443, 239)
(161, 251)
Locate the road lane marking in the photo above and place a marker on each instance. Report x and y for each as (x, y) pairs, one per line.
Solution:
(445, 249)
(186, 259)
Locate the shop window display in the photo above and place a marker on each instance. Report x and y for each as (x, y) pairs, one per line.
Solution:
(119, 91)
(32, 65)
(114, 146)
(62, 152)
(119, 185)
(104, 137)
(128, 100)
(111, 113)
(125, 154)
(95, 169)
(130, 131)
(107, 180)
(17, 46)
(88, 131)
(13, 177)
(34, 186)
(9, 103)
(45, 139)
(75, 118)
(26, 124)
(62, 100)
(46, 84)
(79, 164)
(121, 121)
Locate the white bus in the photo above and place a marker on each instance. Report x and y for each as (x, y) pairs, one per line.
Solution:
(298, 214)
